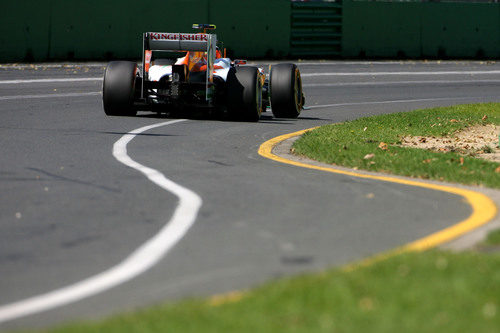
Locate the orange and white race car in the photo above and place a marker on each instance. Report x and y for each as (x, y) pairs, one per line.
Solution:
(202, 78)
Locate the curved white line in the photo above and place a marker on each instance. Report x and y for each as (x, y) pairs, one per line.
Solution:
(143, 258)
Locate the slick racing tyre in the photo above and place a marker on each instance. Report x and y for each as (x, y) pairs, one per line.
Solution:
(118, 88)
(286, 93)
(244, 93)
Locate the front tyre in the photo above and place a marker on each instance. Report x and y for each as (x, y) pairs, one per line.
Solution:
(118, 88)
(244, 93)
(287, 98)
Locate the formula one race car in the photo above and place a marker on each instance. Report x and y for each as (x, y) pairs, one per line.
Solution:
(202, 78)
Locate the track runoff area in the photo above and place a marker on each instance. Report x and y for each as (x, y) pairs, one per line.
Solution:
(77, 247)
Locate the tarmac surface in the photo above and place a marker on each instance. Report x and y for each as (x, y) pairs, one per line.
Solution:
(70, 210)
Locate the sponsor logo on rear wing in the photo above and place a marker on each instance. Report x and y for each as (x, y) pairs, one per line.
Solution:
(177, 36)
(165, 41)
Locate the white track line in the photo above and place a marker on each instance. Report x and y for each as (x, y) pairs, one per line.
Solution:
(143, 258)
(391, 73)
(390, 83)
(17, 97)
(402, 73)
(52, 65)
(393, 62)
(359, 63)
(390, 102)
(52, 80)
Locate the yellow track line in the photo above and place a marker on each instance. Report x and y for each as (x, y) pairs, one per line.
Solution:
(483, 208)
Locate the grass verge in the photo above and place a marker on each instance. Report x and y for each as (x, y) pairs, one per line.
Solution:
(493, 238)
(433, 291)
(491, 244)
(349, 144)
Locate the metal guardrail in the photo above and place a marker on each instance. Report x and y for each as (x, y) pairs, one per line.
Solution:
(316, 29)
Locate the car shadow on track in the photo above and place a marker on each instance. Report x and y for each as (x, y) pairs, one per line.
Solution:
(264, 118)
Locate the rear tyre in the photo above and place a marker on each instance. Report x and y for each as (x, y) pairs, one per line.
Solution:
(286, 93)
(244, 93)
(118, 88)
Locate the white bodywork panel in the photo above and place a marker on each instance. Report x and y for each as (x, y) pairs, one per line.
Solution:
(157, 72)
(222, 66)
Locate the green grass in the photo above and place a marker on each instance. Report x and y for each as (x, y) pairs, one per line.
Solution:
(493, 238)
(433, 291)
(491, 244)
(347, 144)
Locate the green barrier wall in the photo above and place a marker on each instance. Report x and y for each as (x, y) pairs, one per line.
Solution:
(24, 30)
(59, 30)
(420, 29)
(464, 30)
(43, 30)
(253, 28)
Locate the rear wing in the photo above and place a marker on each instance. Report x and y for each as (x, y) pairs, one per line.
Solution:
(165, 41)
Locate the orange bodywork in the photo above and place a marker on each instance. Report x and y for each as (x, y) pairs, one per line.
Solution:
(147, 59)
(197, 61)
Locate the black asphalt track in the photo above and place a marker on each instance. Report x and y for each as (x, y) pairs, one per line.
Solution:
(70, 210)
